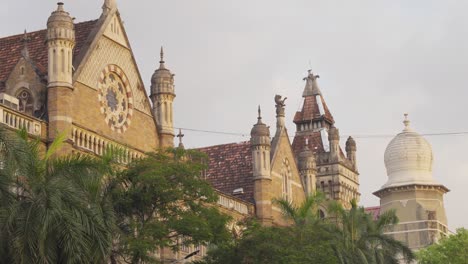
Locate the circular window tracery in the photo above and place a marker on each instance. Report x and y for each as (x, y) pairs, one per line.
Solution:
(116, 99)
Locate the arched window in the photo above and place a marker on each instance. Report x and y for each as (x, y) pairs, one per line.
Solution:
(286, 180)
(26, 102)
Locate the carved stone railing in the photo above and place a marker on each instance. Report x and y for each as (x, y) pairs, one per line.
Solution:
(17, 120)
(232, 204)
(92, 142)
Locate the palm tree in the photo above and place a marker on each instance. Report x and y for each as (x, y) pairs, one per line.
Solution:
(360, 239)
(305, 213)
(52, 209)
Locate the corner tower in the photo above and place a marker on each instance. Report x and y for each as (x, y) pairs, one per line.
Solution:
(162, 97)
(412, 191)
(336, 174)
(60, 44)
(261, 146)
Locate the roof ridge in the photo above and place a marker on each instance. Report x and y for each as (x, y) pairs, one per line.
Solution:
(40, 30)
(225, 144)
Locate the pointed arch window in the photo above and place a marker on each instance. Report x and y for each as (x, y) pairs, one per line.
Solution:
(26, 102)
(286, 180)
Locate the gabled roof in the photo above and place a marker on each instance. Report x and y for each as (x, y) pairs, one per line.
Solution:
(230, 168)
(11, 47)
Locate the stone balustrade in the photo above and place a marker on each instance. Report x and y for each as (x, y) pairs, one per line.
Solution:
(98, 145)
(17, 120)
(232, 204)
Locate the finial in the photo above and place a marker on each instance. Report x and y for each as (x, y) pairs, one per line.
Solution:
(406, 122)
(60, 6)
(161, 55)
(259, 113)
(25, 40)
(180, 136)
(109, 5)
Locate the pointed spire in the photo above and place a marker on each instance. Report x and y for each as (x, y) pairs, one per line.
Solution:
(259, 118)
(161, 59)
(25, 40)
(181, 136)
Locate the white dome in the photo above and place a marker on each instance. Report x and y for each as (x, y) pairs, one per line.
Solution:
(408, 159)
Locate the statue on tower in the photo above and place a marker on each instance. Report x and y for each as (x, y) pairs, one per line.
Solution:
(280, 104)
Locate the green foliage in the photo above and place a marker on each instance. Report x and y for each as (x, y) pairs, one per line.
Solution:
(160, 199)
(308, 240)
(47, 212)
(347, 237)
(450, 250)
(360, 239)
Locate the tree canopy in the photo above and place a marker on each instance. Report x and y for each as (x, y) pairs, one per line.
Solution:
(80, 208)
(347, 237)
(450, 250)
(161, 199)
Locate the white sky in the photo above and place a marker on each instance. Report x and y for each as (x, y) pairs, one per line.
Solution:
(377, 60)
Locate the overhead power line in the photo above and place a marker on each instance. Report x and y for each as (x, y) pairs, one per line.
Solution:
(355, 136)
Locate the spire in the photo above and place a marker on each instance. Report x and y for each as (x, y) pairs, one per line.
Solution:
(25, 40)
(161, 59)
(311, 87)
(259, 114)
(181, 136)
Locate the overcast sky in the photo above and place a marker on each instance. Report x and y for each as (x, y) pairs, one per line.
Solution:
(377, 60)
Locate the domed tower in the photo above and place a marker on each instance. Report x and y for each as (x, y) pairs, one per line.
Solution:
(308, 169)
(162, 97)
(60, 44)
(260, 145)
(412, 191)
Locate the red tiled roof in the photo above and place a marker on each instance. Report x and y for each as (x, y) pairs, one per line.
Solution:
(373, 211)
(310, 110)
(230, 168)
(315, 142)
(10, 48)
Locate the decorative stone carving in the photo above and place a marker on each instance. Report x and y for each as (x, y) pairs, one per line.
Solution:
(108, 52)
(116, 98)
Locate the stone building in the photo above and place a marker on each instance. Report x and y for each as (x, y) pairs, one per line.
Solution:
(412, 191)
(81, 80)
(337, 173)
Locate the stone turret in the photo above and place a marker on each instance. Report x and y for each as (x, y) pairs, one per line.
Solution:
(60, 44)
(308, 169)
(162, 97)
(351, 151)
(334, 141)
(261, 146)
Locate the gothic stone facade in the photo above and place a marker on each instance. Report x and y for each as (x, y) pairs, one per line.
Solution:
(81, 80)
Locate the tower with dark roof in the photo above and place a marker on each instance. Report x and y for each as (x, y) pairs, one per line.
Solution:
(337, 174)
